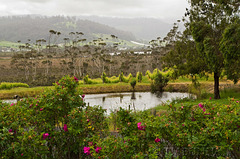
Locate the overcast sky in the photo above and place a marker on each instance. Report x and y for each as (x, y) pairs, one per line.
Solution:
(170, 10)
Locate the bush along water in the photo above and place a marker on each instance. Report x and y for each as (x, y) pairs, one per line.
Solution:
(6, 85)
(58, 124)
(159, 81)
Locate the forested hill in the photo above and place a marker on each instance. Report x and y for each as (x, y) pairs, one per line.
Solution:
(16, 28)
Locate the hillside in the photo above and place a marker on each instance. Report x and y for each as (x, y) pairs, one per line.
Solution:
(16, 28)
(142, 28)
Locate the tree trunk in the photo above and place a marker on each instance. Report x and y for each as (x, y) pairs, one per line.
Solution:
(216, 86)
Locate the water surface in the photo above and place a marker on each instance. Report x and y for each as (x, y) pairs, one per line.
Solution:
(134, 101)
(137, 100)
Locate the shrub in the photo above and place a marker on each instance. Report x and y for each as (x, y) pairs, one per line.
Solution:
(113, 79)
(125, 79)
(139, 77)
(133, 83)
(58, 124)
(5, 85)
(159, 82)
(88, 80)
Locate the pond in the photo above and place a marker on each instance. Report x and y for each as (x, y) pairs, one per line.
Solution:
(136, 101)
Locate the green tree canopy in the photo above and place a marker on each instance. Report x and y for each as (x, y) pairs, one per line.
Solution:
(230, 47)
(204, 46)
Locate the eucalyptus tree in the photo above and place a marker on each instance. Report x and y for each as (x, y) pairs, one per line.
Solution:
(207, 22)
(159, 47)
(73, 51)
(230, 47)
(51, 50)
(24, 60)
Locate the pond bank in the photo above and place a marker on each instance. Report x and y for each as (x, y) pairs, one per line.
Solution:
(114, 88)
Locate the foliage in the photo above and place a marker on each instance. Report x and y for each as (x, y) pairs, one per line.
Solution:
(125, 79)
(6, 85)
(52, 125)
(152, 75)
(231, 51)
(159, 82)
(88, 80)
(139, 77)
(58, 124)
(113, 79)
(206, 25)
(133, 83)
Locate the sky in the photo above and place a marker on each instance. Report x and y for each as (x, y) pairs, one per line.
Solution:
(169, 10)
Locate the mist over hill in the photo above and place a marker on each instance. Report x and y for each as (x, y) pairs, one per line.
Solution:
(142, 28)
(34, 27)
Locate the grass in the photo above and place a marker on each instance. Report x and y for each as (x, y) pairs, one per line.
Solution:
(182, 84)
(110, 40)
(9, 44)
(22, 92)
(226, 95)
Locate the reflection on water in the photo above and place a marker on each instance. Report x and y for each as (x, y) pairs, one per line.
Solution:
(134, 100)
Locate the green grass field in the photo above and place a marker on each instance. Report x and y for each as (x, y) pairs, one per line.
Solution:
(9, 44)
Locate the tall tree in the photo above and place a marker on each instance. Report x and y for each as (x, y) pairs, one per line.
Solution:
(208, 20)
(230, 46)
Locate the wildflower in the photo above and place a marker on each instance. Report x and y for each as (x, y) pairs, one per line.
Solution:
(204, 109)
(237, 101)
(12, 104)
(87, 150)
(157, 140)
(83, 95)
(97, 149)
(57, 83)
(140, 127)
(65, 127)
(200, 105)
(22, 154)
(10, 130)
(75, 78)
(183, 125)
(210, 98)
(41, 109)
(45, 135)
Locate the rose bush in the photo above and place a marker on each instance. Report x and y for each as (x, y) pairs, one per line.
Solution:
(58, 124)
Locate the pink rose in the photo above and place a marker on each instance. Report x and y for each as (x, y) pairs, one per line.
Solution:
(75, 78)
(97, 149)
(45, 135)
(65, 127)
(140, 127)
(157, 140)
(87, 150)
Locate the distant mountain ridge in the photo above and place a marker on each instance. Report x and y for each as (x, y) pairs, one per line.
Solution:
(142, 28)
(14, 28)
